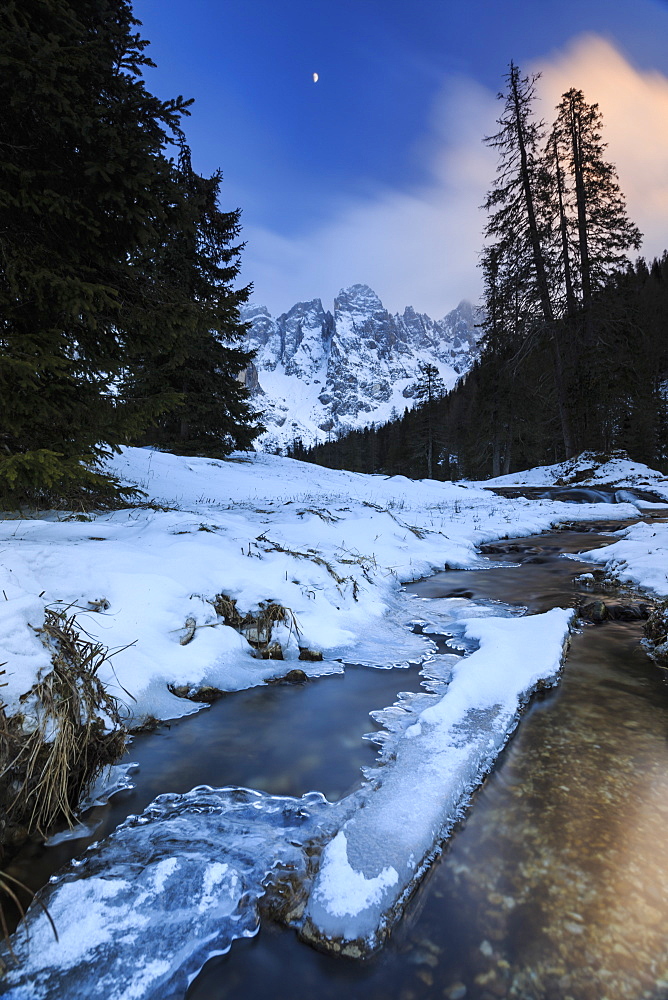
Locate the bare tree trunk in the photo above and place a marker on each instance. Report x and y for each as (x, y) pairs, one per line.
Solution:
(541, 274)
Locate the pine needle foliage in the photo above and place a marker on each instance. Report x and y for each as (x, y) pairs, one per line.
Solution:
(95, 242)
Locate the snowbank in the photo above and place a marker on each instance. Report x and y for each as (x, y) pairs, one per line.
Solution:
(331, 546)
(588, 470)
(367, 869)
(639, 558)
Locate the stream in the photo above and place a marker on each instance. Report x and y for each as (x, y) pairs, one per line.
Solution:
(556, 884)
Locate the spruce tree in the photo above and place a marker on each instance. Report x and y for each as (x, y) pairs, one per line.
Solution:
(596, 233)
(517, 262)
(205, 362)
(91, 278)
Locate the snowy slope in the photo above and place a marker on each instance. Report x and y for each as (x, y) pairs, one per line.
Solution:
(331, 546)
(142, 912)
(317, 373)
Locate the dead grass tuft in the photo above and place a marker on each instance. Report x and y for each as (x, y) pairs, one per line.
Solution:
(70, 729)
(256, 626)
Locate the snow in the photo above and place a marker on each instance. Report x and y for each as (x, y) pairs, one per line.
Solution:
(143, 910)
(639, 558)
(348, 891)
(316, 373)
(588, 470)
(331, 546)
(369, 868)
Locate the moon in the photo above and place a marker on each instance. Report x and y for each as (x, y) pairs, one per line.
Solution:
(315, 77)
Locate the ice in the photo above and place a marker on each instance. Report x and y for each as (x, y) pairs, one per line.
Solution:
(143, 910)
(442, 752)
(114, 779)
(146, 908)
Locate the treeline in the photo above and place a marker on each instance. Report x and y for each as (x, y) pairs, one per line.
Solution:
(575, 341)
(503, 415)
(119, 320)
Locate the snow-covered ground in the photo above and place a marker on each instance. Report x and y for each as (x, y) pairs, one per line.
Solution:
(588, 470)
(640, 557)
(334, 548)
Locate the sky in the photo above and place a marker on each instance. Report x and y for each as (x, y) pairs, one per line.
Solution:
(375, 173)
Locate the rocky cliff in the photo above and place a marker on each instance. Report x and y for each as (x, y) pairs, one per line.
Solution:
(318, 373)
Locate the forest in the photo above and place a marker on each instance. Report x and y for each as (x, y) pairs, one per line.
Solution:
(573, 350)
(118, 306)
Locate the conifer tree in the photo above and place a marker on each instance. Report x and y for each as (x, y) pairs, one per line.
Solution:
(596, 233)
(205, 362)
(518, 265)
(91, 277)
(429, 387)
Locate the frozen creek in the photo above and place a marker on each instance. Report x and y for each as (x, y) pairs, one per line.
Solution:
(554, 886)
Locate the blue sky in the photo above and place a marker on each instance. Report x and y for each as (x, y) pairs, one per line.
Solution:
(375, 173)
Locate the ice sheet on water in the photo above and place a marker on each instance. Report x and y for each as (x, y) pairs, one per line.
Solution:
(390, 642)
(143, 910)
(435, 752)
(113, 779)
(387, 642)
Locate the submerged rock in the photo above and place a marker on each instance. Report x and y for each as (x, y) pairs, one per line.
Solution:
(596, 612)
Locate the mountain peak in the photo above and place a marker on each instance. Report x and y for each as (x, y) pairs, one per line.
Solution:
(321, 373)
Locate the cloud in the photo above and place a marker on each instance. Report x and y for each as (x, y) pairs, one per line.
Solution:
(634, 105)
(416, 247)
(420, 246)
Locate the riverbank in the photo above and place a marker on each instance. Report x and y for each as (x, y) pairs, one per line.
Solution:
(231, 574)
(151, 584)
(507, 920)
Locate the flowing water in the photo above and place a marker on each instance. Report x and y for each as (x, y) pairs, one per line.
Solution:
(554, 887)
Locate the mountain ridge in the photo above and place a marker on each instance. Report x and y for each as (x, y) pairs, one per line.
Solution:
(318, 372)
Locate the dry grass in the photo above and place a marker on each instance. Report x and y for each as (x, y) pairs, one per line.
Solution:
(256, 626)
(71, 728)
(49, 755)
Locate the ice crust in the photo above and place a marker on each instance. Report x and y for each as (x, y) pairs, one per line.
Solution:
(440, 757)
(145, 909)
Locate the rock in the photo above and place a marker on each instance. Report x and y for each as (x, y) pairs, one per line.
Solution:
(660, 654)
(206, 693)
(656, 629)
(628, 612)
(292, 677)
(596, 612)
(358, 356)
(312, 655)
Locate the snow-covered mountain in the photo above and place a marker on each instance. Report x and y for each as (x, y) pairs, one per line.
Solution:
(318, 373)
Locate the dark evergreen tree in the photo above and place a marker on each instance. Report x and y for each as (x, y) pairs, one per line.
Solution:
(428, 388)
(90, 277)
(205, 363)
(517, 262)
(596, 233)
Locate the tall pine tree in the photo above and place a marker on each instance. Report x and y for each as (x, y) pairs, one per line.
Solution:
(90, 200)
(518, 268)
